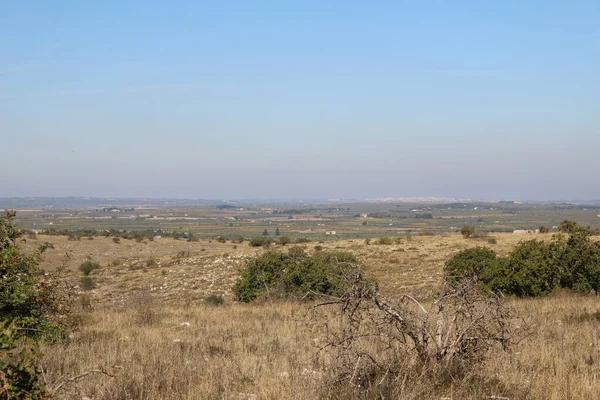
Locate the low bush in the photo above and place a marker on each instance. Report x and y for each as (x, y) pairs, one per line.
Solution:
(467, 231)
(469, 264)
(295, 274)
(385, 240)
(283, 240)
(88, 267)
(258, 241)
(534, 268)
(214, 300)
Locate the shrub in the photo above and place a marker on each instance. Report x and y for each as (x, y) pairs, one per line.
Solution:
(116, 240)
(528, 271)
(258, 241)
(221, 239)
(294, 274)
(467, 231)
(385, 240)
(302, 240)
(283, 240)
(238, 239)
(567, 226)
(19, 376)
(544, 229)
(88, 266)
(379, 348)
(31, 300)
(492, 241)
(214, 300)
(533, 268)
(578, 260)
(469, 263)
(88, 283)
(32, 306)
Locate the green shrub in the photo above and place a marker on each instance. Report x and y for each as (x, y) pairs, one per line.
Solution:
(469, 263)
(302, 240)
(295, 274)
(88, 266)
(533, 268)
(492, 241)
(32, 306)
(528, 271)
(214, 300)
(258, 241)
(578, 260)
(20, 378)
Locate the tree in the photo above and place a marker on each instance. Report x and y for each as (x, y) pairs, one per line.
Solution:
(277, 231)
(265, 233)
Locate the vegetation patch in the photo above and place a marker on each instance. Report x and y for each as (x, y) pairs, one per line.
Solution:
(295, 274)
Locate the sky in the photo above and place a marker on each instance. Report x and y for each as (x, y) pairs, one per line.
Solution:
(299, 99)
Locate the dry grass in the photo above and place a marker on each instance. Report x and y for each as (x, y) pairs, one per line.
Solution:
(226, 352)
(267, 351)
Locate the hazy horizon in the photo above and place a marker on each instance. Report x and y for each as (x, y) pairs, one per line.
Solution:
(300, 100)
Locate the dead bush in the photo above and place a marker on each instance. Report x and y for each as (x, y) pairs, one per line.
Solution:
(381, 347)
(146, 311)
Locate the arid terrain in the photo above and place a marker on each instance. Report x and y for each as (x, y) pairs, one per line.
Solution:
(147, 325)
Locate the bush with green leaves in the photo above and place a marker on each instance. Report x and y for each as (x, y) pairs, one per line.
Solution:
(469, 263)
(32, 307)
(259, 241)
(20, 378)
(528, 271)
(88, 267)
(534, 268)
(578, 261)
(295, 274)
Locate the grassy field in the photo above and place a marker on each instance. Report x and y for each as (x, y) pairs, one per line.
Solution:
(147, 325)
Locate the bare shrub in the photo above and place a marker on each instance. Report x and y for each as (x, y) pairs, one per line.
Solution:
(382, 347)
(146, 312)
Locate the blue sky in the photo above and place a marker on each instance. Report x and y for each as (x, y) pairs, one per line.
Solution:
(300, 99)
